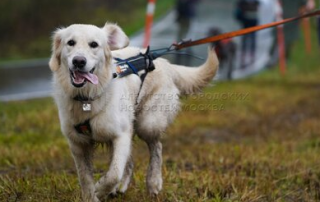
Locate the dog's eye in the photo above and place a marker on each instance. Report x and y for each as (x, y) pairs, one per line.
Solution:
(93, 44)
(71, 43)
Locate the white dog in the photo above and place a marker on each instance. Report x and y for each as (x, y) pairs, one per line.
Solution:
(94, 107)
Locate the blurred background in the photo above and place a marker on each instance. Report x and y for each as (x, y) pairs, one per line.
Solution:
(26, 27)
(253, 135)
(25, 36)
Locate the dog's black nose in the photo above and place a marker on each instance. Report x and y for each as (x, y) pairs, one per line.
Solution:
(79, 62)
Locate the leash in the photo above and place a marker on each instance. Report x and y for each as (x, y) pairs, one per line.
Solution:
(145, 61)
(185, 44)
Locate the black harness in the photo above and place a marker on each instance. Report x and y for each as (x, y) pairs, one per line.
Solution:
(134, 65)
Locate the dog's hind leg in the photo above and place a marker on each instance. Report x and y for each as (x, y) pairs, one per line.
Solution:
(154, 174)
(82, 155)
(121, 152)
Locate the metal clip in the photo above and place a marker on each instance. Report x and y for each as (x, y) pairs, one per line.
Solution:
(86, 107)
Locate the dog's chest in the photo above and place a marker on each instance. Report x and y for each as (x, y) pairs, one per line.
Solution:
(103, 129)
(92, 130)
(90, 125)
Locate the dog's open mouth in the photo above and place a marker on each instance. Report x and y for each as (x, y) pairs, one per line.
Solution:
(79, 78)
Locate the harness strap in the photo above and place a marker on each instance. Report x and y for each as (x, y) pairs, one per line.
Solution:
(132, 67)
(84, 128)
(149, 66)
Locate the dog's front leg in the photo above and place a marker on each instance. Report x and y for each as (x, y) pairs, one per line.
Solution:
(82, 155)
(121, 152)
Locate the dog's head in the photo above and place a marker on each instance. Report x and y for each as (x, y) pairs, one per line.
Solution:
(82, 53)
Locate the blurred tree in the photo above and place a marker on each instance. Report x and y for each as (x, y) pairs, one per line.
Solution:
(26, 25)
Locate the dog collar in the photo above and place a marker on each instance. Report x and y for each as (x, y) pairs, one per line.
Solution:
(81, 98)
(86, 102)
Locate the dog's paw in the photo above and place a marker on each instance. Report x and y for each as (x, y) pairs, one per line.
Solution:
(101, 192)
(91, 199)
(95, 199)
(113, 194)
(154, 185)
(105, 186)
(122, 188)
(116, 192)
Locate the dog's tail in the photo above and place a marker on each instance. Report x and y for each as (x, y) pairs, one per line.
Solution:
(192, 80)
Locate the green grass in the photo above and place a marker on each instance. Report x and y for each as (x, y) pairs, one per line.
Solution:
(261, 143)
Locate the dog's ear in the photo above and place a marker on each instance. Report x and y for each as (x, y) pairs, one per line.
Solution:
(117, 39)
(55, 59)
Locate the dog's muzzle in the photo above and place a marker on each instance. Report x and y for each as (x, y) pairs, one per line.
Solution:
(79, 78)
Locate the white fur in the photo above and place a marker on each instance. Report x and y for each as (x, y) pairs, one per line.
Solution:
(115, 117)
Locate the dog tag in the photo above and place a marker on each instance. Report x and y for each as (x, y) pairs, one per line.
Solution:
(86, 107)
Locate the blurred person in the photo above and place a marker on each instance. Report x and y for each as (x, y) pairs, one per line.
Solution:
(318, 26)
(185, 11)
(247, 15)
(311, 5)
(270, 11)
(292, 8)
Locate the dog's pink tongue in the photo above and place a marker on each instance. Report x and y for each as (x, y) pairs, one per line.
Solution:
(92, 78)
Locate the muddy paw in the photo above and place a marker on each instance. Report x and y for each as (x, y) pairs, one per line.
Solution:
(154, 186)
